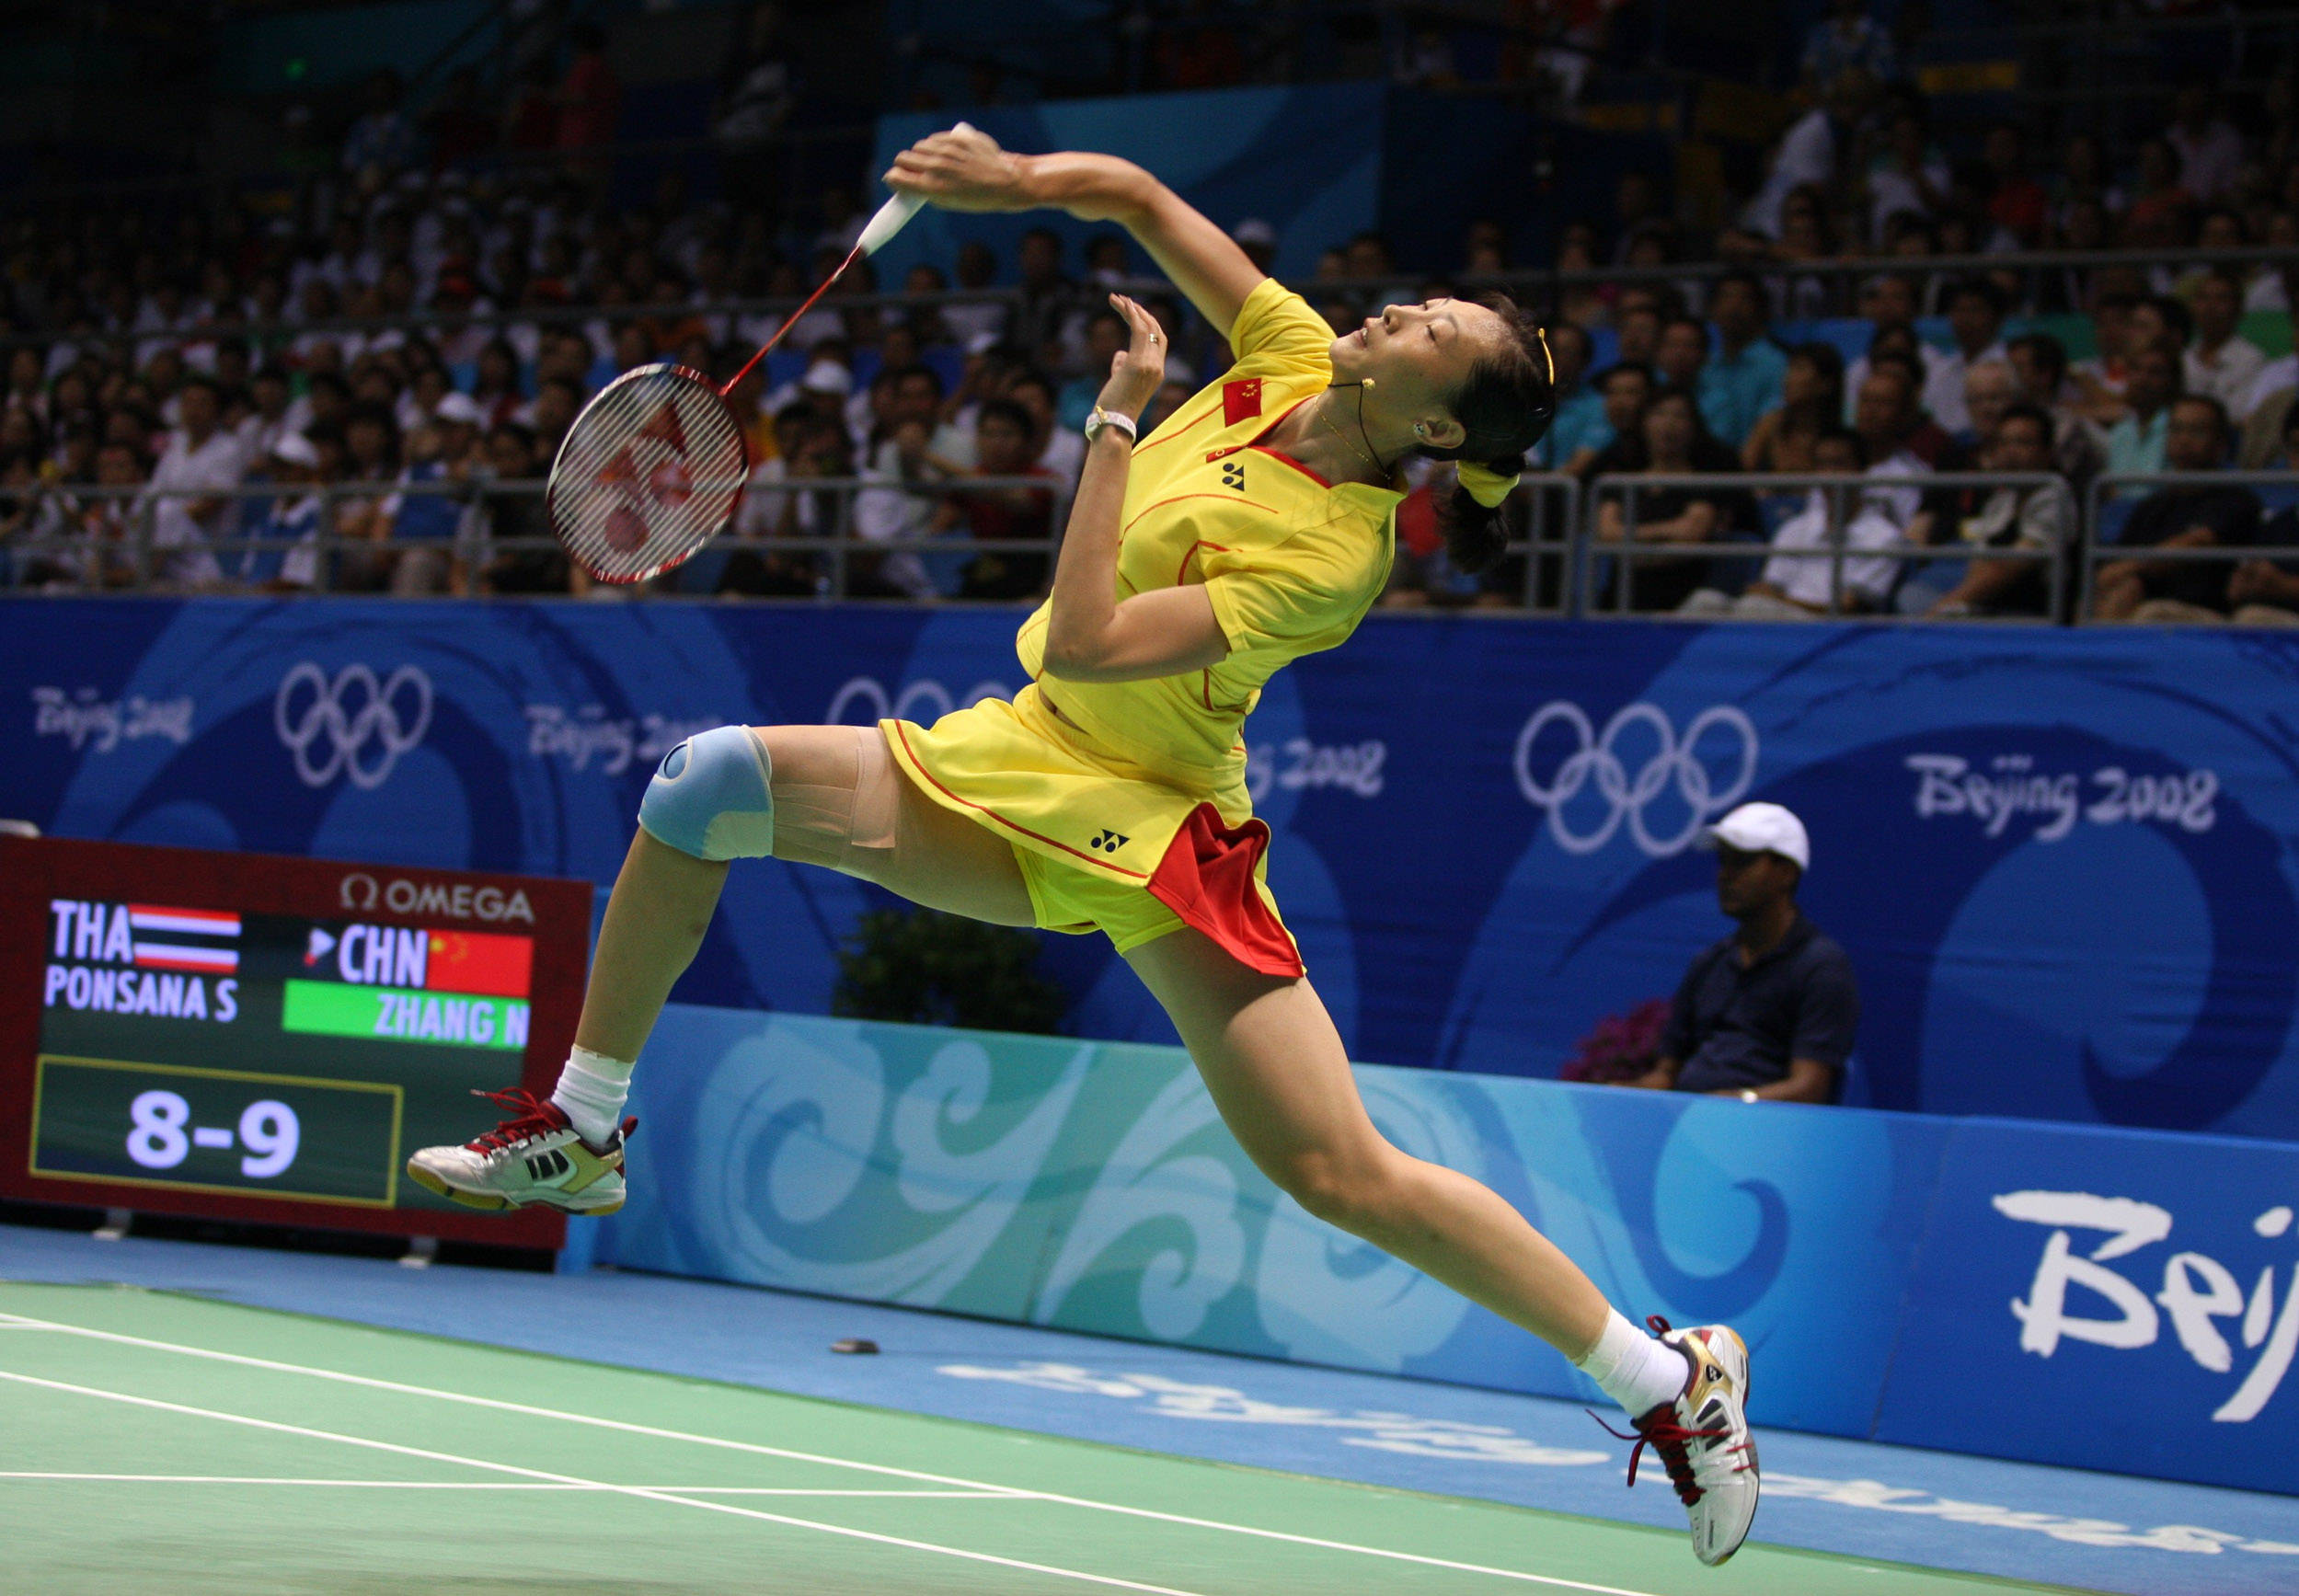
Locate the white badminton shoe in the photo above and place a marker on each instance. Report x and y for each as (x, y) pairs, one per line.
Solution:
(1702, 1439)
(534, 1158)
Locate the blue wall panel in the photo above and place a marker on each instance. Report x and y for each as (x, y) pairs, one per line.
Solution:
(2066, 863)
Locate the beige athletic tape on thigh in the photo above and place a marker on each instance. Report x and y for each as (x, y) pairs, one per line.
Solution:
(825, 822)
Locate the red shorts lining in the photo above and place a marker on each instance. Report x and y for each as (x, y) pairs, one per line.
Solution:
(1208, 877)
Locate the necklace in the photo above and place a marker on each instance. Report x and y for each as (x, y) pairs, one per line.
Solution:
(1353, 448)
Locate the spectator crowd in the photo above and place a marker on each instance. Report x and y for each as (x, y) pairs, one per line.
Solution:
(360, 390)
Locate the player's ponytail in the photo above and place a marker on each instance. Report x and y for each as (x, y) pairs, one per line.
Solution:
(1505, 407)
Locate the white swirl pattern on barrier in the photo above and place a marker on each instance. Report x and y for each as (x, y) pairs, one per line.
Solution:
(349, 715)
(1142, 1182)
(1673, 763)
(1326, 1297)
(795, 1119)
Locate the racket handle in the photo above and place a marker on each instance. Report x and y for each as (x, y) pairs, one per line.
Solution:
(890, 220)
(896, 214)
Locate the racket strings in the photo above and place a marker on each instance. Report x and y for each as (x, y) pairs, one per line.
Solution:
(649, 472)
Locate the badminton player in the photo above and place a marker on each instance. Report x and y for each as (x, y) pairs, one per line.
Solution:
(1254, 526)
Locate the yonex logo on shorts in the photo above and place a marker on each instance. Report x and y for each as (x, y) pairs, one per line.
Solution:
(1109, 842)
(1234, 475)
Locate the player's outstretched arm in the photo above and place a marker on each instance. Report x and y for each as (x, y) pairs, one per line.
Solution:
(967, 171)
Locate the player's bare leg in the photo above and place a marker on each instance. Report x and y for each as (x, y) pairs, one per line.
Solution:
(824, 795)
(654, 924)
(1277, 1071)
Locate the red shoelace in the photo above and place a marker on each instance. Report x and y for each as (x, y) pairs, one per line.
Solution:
(1665, 1436)
(1667, 1439)
(530, 1117)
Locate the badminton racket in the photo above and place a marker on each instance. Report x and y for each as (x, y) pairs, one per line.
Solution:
(652, 468)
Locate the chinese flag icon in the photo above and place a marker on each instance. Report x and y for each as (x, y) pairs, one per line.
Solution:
(476, 962)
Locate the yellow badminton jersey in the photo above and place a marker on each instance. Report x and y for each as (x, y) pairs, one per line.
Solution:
(1291, 561)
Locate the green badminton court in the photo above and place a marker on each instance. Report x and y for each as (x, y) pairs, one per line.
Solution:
(162, 1443)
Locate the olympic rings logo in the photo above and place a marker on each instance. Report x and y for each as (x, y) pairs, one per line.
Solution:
(925, 701)
(331, 727)
(1673, 763)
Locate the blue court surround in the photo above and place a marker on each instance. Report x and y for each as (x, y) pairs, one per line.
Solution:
(1937, 1510)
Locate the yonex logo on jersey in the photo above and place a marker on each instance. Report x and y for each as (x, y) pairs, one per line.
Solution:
(1109, 842)
(1234, 475)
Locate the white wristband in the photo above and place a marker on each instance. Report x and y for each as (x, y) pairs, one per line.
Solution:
(1118, 419)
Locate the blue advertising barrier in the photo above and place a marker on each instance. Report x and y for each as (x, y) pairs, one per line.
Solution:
(1977, 1286)
(2065, 862)
(1091, 1186)
(2107, 1299)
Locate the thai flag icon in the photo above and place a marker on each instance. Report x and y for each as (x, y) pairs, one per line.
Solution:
(200, 957)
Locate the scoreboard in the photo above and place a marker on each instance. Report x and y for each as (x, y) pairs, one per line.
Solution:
(268, 1039)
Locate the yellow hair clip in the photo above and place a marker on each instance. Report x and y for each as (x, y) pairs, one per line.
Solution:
(1488, 488)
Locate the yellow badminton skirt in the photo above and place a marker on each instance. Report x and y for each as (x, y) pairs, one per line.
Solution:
(1102, 845)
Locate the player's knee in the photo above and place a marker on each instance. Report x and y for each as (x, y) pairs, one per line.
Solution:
(1348, 1191)
(713, 797)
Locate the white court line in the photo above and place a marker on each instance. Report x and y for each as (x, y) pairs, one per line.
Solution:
(640, 1491)
(473, 1485)
(763, 1450)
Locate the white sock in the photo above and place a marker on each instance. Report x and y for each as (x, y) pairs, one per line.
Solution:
(592, 1089)
(1637, 1371)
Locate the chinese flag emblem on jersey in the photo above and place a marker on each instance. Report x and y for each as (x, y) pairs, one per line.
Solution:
(1241, 400)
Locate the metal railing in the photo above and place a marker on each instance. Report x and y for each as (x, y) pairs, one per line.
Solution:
(1838, 277)
(1842, 491)
(1551, 505)
(272, 334)
(2102, 550)
(129, 548)
(107, 537)
(93, 538)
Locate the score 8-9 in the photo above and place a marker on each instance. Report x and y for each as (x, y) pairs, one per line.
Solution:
(161, 1140)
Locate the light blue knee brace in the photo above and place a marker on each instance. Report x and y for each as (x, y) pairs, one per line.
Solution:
(711, 797)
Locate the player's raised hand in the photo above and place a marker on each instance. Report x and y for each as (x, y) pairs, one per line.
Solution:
(1140, 367)
(962, 169)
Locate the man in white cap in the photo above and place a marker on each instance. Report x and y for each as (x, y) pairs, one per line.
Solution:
(1770, 1011)
(459, 423)
(824, 388)
(285, 557)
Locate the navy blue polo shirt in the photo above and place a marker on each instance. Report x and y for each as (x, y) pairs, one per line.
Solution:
(1732, 1025)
